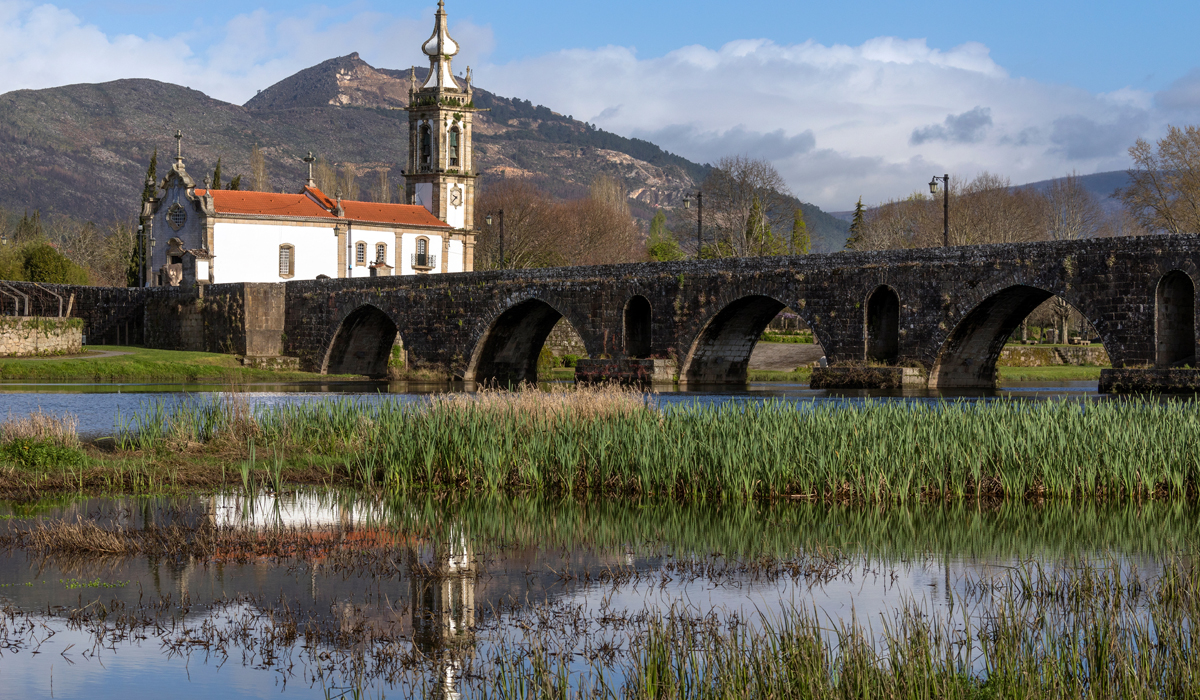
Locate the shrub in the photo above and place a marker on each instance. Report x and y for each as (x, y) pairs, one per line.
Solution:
(44, 264)
(570, 360)
(40, 454)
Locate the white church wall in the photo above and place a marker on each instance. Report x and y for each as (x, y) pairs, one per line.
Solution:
(250, 252)
(454, 261)
(371, 237)
(408, 247)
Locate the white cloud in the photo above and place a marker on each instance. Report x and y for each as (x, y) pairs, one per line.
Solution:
(44, 46)
(876, 119)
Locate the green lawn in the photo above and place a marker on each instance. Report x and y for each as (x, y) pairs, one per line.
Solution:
(143, 364)
(1053, 373)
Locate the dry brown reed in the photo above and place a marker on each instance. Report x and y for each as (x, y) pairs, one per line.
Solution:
(40, 426)
(556, 403)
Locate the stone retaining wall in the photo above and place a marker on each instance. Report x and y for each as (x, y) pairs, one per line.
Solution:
(1047, 355)
(33, 336)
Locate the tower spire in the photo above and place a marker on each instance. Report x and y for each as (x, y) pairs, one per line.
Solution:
(440, 48)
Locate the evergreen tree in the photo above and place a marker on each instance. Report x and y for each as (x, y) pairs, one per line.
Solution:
(856, 226)
(236, 183)
(216, 180)
(662, 245)
(800, 243)
(151, 178)
(29, 228)
(133, 269)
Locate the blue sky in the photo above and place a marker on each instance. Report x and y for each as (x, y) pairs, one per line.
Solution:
(1099, 46)
(847, 99)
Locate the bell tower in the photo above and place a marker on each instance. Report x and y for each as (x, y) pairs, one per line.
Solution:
(440, 174)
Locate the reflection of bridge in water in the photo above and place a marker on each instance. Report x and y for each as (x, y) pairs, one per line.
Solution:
(944, 313)
(431, 592)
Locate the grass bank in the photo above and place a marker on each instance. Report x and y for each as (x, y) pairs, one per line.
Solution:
(1053, 373)
(610, 441)
(146, 365)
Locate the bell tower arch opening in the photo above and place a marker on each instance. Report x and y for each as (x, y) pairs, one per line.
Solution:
(638, 316)
(1175, 320)
(881, 326)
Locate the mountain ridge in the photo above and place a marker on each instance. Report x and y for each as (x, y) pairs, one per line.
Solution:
(82, 150)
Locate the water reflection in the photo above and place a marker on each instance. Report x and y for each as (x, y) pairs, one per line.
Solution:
(451, 580)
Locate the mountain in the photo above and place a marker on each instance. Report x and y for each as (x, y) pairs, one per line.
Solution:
(82, 150)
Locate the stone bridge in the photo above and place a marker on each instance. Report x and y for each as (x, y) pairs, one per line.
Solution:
(946, 311)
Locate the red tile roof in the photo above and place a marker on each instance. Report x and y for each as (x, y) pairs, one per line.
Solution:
(313, 203)
(407, 214)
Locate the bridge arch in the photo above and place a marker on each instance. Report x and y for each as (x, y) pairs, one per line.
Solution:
(637, 326)
(881, 325)
(967, 358)
(507, 352)
(362, 343)
(721, 352)
(1175, 320)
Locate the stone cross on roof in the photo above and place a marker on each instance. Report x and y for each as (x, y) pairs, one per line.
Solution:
(179, 146)
(310, 159)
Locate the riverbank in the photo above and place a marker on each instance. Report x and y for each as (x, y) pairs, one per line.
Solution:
(137, 364)
(611, 441)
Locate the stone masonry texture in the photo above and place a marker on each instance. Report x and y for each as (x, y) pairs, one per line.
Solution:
(957, 307)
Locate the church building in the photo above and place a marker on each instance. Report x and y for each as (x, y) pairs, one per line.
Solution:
(198, 235)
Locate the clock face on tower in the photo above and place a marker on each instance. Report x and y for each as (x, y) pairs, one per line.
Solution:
(456, 196)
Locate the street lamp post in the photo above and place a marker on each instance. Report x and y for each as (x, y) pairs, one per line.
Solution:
(687, 204)
(488, 219)
(933, 188)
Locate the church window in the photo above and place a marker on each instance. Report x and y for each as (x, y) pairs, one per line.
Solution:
(422, 260)
(426, 148)
(360, 253)
(287, 260)
(176, 216)
(454, 147)
(381, 252)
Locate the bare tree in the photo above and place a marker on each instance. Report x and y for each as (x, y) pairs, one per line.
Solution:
(528, 226)
(1071, 211)
(258, 170)
(1164, 188)
(382, 190)
(348, 183)
(749, 207)
(325, 176)
(539, 232)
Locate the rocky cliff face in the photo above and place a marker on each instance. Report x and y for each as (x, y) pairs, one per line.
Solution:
(82, 150)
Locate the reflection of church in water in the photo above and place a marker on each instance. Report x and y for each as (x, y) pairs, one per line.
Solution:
(200, 235)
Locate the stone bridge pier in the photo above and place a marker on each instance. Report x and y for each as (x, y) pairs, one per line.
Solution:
(944, 313)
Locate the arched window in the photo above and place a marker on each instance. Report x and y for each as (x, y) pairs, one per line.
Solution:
(1175, 322)
(381, 252)
(360, 253)
(287, 260)
(454, 147)
(422, 259)
(882, 326)
(637, 327)
(426, 148)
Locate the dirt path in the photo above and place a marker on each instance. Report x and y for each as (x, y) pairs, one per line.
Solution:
(784, 357)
